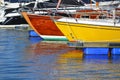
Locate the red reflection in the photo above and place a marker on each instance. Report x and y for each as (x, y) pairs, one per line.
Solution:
(48, 48)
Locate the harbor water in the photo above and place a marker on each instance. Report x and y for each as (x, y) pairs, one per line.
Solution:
(28, 58)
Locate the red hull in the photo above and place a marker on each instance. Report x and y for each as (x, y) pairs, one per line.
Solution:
(42, 24)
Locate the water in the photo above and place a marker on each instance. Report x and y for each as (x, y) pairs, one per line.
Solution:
(24, 58)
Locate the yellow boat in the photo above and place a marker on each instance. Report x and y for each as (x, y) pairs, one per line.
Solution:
(90, 30)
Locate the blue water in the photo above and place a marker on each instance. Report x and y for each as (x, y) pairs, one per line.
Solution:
(25, 58)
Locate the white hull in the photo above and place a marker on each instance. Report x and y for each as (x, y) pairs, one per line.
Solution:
(2, 12)
(58, 38)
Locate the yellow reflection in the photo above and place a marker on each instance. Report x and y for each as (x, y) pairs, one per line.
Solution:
(65, 79)
(73, 54)
(69, 63)
(76, 55)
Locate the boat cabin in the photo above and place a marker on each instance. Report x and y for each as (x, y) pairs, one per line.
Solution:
(92, 14)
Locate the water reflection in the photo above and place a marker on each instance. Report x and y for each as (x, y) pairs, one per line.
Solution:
(42, 48)
(34, 40)
(74, 65)
(21, 59)
(59, 62)
(68, 64)
(43, 57)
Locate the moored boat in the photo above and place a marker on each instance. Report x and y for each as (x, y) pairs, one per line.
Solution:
(44, 26)
(104, 27)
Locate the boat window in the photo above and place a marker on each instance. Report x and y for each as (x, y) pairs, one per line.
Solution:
(84, 16)
(102, 17)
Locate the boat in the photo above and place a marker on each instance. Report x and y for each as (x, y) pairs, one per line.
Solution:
(2, 13)
(88, 27)
(9, 14)
(103, 4)
(39, 22)
(44, 26)
(13, 13)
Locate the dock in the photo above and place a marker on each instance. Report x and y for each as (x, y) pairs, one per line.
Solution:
(7, 26)
(94, 44)
(17, 27)
(97, 47)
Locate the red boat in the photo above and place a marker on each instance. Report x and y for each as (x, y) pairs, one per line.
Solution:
(44, 26)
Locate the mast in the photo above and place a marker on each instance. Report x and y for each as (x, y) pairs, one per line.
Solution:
(114, 16)
(35, 6)
(59, 2)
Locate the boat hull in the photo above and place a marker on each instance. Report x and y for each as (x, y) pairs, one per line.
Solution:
(32, 33)
(89, 33)
(44, 25)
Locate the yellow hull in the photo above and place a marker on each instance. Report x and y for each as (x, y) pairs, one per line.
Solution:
(89, 33)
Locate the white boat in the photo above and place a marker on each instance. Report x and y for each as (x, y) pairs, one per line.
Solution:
(5, 5)
(2, 13)
(13, 15)
(10, 12)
